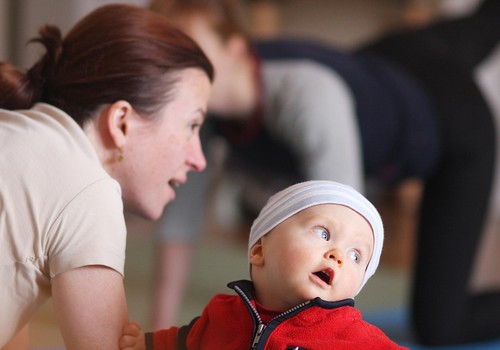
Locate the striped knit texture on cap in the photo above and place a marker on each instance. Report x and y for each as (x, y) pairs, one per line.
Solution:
(303, 195)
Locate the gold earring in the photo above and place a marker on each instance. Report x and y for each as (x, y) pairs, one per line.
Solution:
(120, 156)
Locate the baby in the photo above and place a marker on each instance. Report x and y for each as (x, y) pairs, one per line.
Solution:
(311, 250)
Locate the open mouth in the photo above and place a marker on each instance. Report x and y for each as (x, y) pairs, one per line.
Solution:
(325, 275)
(174, 184)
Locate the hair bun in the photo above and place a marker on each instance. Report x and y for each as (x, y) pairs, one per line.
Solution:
(46, 68)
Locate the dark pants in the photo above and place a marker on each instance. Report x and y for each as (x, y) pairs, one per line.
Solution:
(457, 194)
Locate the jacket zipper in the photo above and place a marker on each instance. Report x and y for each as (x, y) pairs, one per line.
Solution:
(261, 327)
(260, 330)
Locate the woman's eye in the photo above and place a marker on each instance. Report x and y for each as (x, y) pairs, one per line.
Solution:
(354, 256)
(322, 233)
(195, 126)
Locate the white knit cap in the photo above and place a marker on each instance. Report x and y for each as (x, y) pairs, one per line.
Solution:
(303, 195)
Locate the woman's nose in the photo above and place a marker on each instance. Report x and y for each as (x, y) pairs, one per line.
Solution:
(196, 159)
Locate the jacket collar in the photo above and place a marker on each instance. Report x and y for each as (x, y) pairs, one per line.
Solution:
(247, 288)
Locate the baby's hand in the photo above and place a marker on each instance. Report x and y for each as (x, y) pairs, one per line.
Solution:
(132, 338)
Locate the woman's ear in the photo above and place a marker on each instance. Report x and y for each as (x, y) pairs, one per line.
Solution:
(118, 117)
(256, 254)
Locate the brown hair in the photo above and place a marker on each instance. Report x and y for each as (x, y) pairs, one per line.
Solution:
(224, 15)
(117, 52)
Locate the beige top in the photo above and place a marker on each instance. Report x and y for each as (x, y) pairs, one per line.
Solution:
(59, 210)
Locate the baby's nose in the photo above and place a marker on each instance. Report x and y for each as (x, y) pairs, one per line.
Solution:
(336, 256)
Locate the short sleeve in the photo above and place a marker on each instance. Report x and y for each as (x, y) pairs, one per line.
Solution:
(90, 230)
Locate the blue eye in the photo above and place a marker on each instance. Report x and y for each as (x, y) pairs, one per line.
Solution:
(322, 233)
(354, 256)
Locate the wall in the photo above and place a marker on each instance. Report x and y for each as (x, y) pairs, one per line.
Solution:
(28, 15)
(4, 32)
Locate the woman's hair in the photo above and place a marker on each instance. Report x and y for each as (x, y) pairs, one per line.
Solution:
(117, 52)
(224, 15)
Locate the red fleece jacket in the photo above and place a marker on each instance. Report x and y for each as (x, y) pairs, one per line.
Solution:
(230, 322)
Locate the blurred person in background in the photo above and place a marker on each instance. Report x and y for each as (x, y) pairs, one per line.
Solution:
(407, 106)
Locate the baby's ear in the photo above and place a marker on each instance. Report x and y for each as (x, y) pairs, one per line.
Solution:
(256, 254)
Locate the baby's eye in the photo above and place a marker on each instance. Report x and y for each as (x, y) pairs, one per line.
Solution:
(322, 233)
(354, 256)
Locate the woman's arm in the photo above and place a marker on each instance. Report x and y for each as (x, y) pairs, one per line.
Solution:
(20, 341)
(90, 306)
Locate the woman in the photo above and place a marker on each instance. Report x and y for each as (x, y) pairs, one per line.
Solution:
(108, 119)
(407, 106)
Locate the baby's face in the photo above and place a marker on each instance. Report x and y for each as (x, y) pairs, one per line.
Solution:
(322, 251)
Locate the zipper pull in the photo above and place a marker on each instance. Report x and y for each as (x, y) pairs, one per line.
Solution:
(260, 329)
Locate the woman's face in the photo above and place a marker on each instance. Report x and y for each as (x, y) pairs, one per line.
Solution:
(159, 153)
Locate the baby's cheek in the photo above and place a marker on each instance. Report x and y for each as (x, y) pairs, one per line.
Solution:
(357, 276)
(359, 280)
